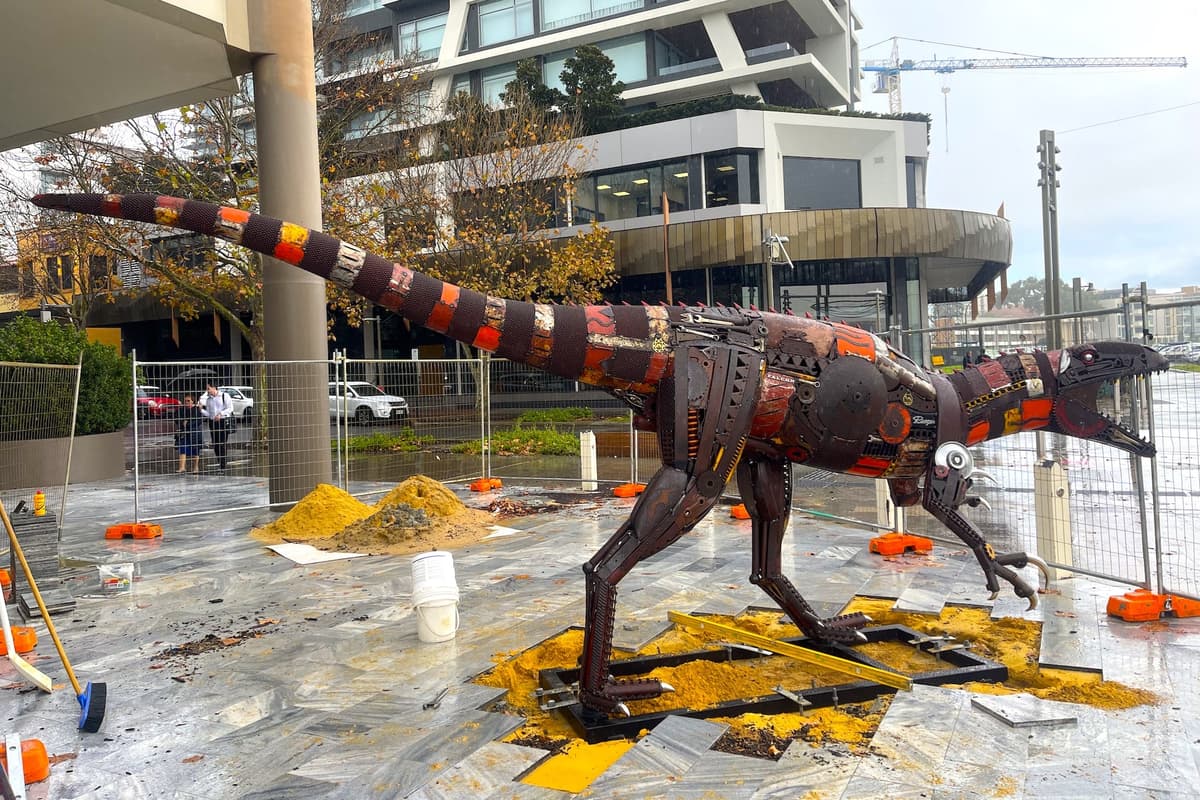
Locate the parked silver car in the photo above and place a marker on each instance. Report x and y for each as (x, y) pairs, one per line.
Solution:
(364, 402)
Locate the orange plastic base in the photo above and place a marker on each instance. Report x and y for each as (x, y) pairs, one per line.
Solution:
(133, 530)
(1143, 605)
(24, 639)
(893, 544)
(485, 484)
(34, 761)
(629, 489)
(739, 511)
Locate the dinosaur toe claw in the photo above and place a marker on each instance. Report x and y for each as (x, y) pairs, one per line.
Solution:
(623, 709)
(1033, 602)
(666, 687)
(1042, 568)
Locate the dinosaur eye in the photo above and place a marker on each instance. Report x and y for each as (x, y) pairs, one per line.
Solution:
(1088, 356)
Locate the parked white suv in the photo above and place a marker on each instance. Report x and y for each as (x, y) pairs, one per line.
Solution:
(364, 402)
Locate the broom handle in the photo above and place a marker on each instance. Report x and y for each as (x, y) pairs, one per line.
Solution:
(16, 546)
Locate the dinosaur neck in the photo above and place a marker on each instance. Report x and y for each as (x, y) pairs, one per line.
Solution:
(1012, 393)
(554, 338)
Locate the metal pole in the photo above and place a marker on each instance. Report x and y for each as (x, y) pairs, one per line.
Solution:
(62, 505)
(1048, 166)
(1154, 497)
(1135, 411)
(285, 113)
(136, 474)
(485, 418)
(1077, 307)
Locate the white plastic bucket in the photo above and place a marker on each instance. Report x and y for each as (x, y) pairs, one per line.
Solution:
(437, 622)
(435, 596)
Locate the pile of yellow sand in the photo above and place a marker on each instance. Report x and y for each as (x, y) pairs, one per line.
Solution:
(321, 513)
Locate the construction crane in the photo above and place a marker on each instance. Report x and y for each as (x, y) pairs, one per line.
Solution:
(887, 71)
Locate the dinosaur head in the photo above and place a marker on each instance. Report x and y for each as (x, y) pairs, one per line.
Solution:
(1081, 372)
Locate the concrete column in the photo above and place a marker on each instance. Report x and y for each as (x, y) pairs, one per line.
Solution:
(587, 461)
(293, 300)
(1052, 511)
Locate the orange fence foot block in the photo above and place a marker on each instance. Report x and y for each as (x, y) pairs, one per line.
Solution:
(34, 761)
(1143, 605)
(629, 489)
(24, 639)
(485, 484)
(133, 530)
(893, 544)
(739, 511)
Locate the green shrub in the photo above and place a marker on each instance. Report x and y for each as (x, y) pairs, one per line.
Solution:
(555, 415)
(406, 441)
(105, 393)
(520, 441)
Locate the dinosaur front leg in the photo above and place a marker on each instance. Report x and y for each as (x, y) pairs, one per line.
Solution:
(765, 484)
(946, 485)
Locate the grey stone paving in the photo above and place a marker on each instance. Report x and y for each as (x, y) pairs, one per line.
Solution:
(328, 701)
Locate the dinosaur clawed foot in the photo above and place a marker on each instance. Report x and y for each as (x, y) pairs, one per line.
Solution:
(843, 629)
(613, 696)
(1005, 565)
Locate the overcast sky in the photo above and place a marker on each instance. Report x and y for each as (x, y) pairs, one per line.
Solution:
(1129, 207)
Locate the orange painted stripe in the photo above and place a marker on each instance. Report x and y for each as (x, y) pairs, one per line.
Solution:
(854, 341)
(234, 215)
(487, 338)
(657, 368)
(1036, 413)
(978, 432)
(594, 356)
(291, 253)
(443, 309)
(869, 467)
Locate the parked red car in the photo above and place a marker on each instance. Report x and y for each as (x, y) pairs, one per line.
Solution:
(152, 402)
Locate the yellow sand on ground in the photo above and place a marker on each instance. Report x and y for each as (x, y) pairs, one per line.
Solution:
(322, 512)
(700, 684)
(426, 494)
(578, 764)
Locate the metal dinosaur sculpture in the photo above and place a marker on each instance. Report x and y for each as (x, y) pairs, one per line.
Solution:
(728, 391)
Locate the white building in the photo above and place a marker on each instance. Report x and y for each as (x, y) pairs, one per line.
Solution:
(843, 194)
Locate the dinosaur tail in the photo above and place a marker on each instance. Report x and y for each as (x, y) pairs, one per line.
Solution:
(574, 342)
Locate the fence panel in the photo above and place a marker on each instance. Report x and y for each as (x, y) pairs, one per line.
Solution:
(430, 433)
(37, 409)
(1175, 476)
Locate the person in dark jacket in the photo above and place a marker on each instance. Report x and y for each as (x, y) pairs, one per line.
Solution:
(189, 434)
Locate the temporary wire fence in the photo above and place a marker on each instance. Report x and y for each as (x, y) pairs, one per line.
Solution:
(1084, 506)
(37, 420)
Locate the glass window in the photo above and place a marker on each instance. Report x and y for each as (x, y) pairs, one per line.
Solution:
(423, 37)
(914, 182)
(810, 183)
(730, 178)
(461, 84)
(504, 20)
(493, 81)
(372, 51)
(362, 6)
(628, 194)
(628, 55)
(741, 285)
(563, 13)
(675, 184)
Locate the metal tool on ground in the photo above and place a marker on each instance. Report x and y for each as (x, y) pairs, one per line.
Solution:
(843, 665)
(93, 700)
(27, 670)
(436, 701)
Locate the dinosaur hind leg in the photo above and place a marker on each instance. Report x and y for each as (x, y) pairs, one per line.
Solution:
(668, 508)
(766, 487)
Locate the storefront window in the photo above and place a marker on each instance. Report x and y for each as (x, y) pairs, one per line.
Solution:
(730, 178)
(812, 183)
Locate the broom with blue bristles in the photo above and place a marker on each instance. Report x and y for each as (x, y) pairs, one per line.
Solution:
(92, 700)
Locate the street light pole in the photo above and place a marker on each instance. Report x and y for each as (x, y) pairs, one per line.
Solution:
(1077, 307)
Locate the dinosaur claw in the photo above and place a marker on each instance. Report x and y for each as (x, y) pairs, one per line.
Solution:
(623, 709)
(994, 595)
(1033, 602)
(666, 687)
(1041, 565)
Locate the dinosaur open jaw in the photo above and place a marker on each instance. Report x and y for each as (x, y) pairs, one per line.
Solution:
(1082, 372)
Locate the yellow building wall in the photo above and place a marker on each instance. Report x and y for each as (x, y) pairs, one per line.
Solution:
(109, 336)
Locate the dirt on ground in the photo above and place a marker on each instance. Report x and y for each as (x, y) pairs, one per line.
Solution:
(419, 515)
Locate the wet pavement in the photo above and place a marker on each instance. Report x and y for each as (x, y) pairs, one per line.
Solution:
(235, 673)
